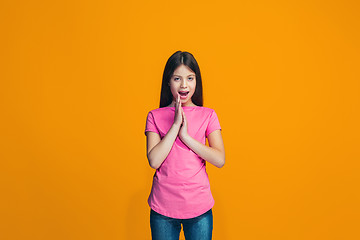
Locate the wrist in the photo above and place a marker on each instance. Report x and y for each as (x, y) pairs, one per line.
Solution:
(185, 137)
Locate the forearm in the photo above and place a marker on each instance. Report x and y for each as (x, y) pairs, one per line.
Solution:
(158, 154)
(212, 155)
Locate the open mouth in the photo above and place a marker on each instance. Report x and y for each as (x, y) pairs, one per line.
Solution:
(183, 94)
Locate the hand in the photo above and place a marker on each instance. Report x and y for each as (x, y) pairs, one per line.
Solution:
(183, 132)
(178, 119)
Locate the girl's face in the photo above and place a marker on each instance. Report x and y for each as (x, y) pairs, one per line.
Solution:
(183, 82)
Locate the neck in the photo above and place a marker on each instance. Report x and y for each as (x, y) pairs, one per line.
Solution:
(187, 105)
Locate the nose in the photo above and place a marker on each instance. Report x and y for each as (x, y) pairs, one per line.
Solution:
(183, 83)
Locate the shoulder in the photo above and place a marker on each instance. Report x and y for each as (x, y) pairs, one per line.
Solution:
(211, 114)
(208, 111)
(159, 111)
(204, 113)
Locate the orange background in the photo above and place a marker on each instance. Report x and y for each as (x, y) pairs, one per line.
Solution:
(79, 77)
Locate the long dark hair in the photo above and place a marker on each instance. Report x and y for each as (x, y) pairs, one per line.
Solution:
(172, 63)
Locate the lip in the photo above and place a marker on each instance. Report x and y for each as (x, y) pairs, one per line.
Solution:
(184, 97)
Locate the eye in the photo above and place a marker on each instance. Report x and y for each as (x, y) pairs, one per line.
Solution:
(191, 78)
(176, 78)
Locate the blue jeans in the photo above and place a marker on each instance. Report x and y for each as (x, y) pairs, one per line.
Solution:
(166, 228)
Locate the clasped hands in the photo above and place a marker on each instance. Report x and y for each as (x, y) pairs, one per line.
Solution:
(180, 119)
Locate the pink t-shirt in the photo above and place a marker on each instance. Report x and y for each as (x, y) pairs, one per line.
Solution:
(181, 187)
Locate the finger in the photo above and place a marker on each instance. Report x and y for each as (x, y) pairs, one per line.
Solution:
(177, 101)
(179, 106)
(175, 107)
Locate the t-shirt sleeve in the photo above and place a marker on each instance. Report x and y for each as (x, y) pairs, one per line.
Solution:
(150, 124)
(214, 123)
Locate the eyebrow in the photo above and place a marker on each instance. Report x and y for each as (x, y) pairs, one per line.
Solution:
(188, 75)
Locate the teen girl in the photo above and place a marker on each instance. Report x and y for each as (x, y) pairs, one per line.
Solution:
(176, 148)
